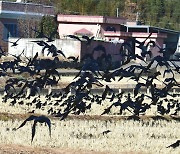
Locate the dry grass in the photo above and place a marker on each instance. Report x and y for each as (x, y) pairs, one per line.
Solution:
(86, 132)
(143, 136)
(19, 149)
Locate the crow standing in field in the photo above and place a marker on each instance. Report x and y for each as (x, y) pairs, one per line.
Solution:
(40, 119)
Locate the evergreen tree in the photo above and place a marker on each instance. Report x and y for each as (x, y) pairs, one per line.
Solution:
(163, 13)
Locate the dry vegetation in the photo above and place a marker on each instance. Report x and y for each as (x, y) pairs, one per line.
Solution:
(86, 133)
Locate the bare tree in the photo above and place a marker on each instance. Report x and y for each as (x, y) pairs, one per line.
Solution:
(25, 27)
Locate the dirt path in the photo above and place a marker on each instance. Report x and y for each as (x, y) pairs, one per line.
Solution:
(19, 149)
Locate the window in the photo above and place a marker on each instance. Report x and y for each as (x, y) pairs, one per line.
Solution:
(110, 28)
(10, 30)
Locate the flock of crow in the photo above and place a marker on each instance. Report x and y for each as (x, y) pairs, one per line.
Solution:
(77, 97)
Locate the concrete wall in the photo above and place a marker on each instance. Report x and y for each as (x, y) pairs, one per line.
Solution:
(68, 46)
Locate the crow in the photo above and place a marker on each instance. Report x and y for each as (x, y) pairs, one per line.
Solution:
(106, 132)
(74, 59)
(74, 37)
(40, 119)
(88, 39)
(174, 145)
(13, 43)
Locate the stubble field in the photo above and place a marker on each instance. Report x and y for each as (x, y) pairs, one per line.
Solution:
(95, 134)
(87, 134)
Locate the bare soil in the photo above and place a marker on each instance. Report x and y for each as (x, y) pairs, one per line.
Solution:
(19, 149)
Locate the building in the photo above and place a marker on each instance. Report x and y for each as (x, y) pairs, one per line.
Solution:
(89, 25)
(12, 12)
(116, 29)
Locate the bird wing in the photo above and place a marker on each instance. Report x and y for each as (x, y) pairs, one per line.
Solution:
(174, 145)
(59, 51)
(71, 57)
(17, 40)
(45, 119)
(86, 37)
(33, 130)
(147, 37)
(74, 37)
(7, 41)
(40, 43)
(33, 60)
(107, 110)
(48, 122)
(32, 117)
(106, 91)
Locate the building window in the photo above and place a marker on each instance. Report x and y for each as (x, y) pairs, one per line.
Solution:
(110, 28)
(10, 30)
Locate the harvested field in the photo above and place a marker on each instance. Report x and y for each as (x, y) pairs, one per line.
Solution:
(87, 134)
(93, 133)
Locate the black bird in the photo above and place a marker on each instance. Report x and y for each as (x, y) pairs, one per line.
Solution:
(161, 61)
(141, 44)
(107, 91)
(137, 88)
(74, 37)
(53, 50)
(88, 39)
(13, 43)
(106, 132)
(145, 50)
(31, 61)
(174, 145)
(2, 52)
(107, 110)
(40, 42)
(74, 59)
(40, 119)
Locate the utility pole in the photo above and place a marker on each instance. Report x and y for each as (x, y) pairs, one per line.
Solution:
(117, 12)
(137, 17)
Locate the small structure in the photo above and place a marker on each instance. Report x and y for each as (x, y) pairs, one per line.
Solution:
(11, 12)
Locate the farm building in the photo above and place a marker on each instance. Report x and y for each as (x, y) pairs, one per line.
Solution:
(116, 30)
(12, 12)
(110, 32)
